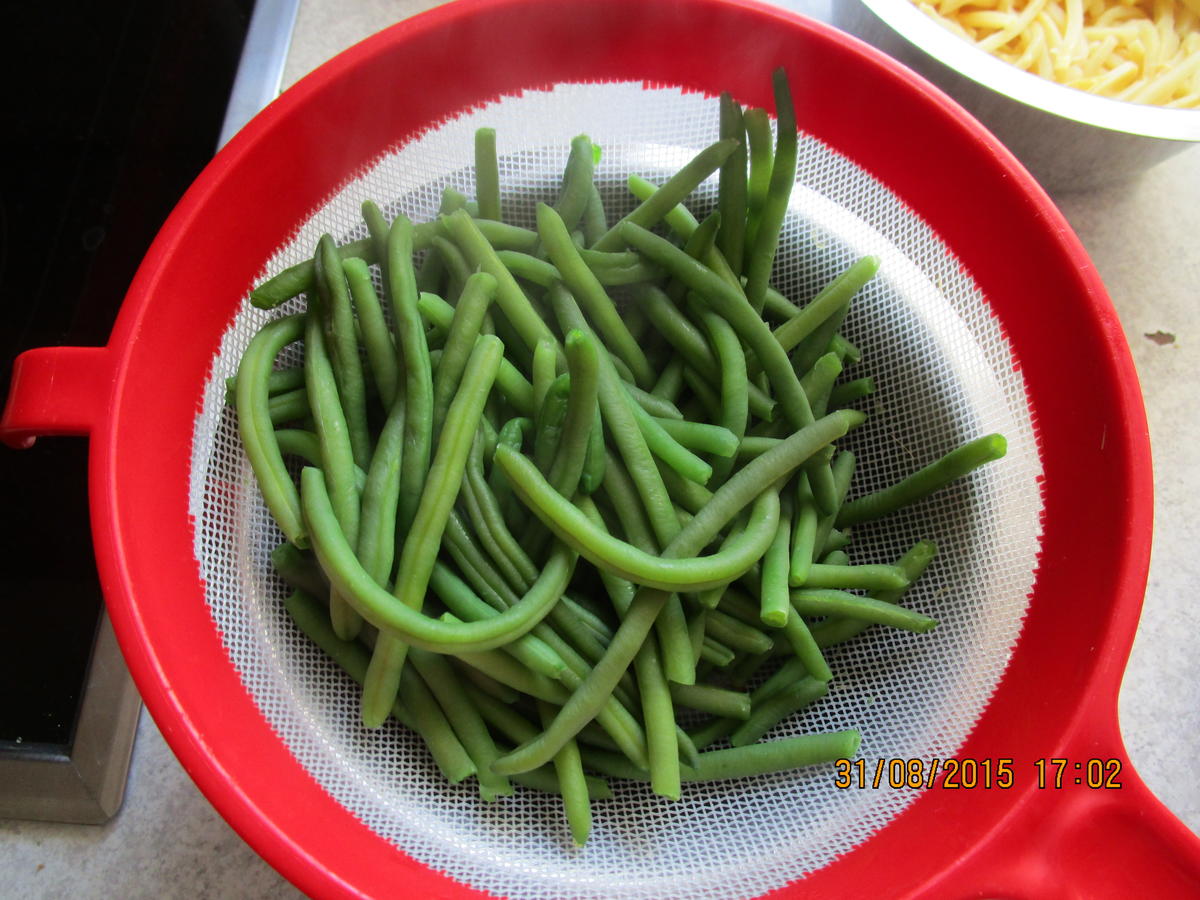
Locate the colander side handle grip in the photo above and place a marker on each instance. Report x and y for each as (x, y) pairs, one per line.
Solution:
(57, 391)
(1077, 842)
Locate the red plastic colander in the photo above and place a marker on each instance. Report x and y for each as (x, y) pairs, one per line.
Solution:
(986, 316)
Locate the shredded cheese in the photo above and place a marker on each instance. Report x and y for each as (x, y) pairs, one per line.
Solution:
(1140, 51)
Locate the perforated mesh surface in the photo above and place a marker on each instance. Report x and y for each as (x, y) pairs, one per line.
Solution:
(945, 374)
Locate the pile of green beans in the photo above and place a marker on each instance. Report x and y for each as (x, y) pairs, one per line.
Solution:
(568, 501)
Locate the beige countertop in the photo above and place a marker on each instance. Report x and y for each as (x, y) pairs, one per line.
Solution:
(167, 842)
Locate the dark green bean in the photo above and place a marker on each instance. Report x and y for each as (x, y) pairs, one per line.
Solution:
(873, 577)
(595, 220)
(761, 157)
(715, 700)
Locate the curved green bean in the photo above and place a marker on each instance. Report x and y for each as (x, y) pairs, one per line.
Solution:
(258, 433)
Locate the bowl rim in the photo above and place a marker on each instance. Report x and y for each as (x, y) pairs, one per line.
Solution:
(925, 34)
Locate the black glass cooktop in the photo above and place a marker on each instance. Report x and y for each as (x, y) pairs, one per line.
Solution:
(111, 110)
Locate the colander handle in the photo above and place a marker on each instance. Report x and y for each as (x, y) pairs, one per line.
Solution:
(1070, 840)
(57, 391)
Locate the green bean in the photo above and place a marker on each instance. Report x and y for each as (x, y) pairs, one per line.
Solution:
(577, 182)
(423, 539)
(337, 559)
(257, 432)
(847, 352)
(485, 534)
(678, 218)
(709, 699)
(487, 174)
(418, 711)
(768, 714)
(618, 410)
(734, 307)
(418, 374)
(297, 279)
(625, 560)
(473, 303)
(744, 762)
(804, 534)
(935, 476)
(342, 346)
(837, 540)
(872, 577)
(464, 605)
(775, 564)
(493, 518)
(472, 731)
(475, 566)
(670, 380)
(760, 257)
(673, 192)
(731, 192)
(583, 367)
(818, 381)
(545, 370)
(659, 716)
(687, 339)
(484, 684)
(736, 634)
(595, 220)
(820, 342)
(376, 546)
(453, 263)
(279, 381)
(761, 156)
(844, 394)
(833, 297)
(652, 404)
(337, 457)
(842, 470)
(547, 427)
(590, 294)
(913, 564)
(595, 458)
(377, 339)
(290, 406)
(524, 265)
(735, 386)
(569, 768)
(511, 300)
(505, 668)
(701, 437)
(299, 570)
(666, 448)
(716, 653)
(867, 609)
(512, 384)
(727, 502)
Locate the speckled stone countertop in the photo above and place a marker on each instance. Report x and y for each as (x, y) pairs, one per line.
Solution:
(167, 841)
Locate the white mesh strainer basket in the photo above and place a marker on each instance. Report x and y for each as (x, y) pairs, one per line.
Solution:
(1034, 565)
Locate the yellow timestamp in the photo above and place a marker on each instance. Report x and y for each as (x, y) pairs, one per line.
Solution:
(998, 773)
